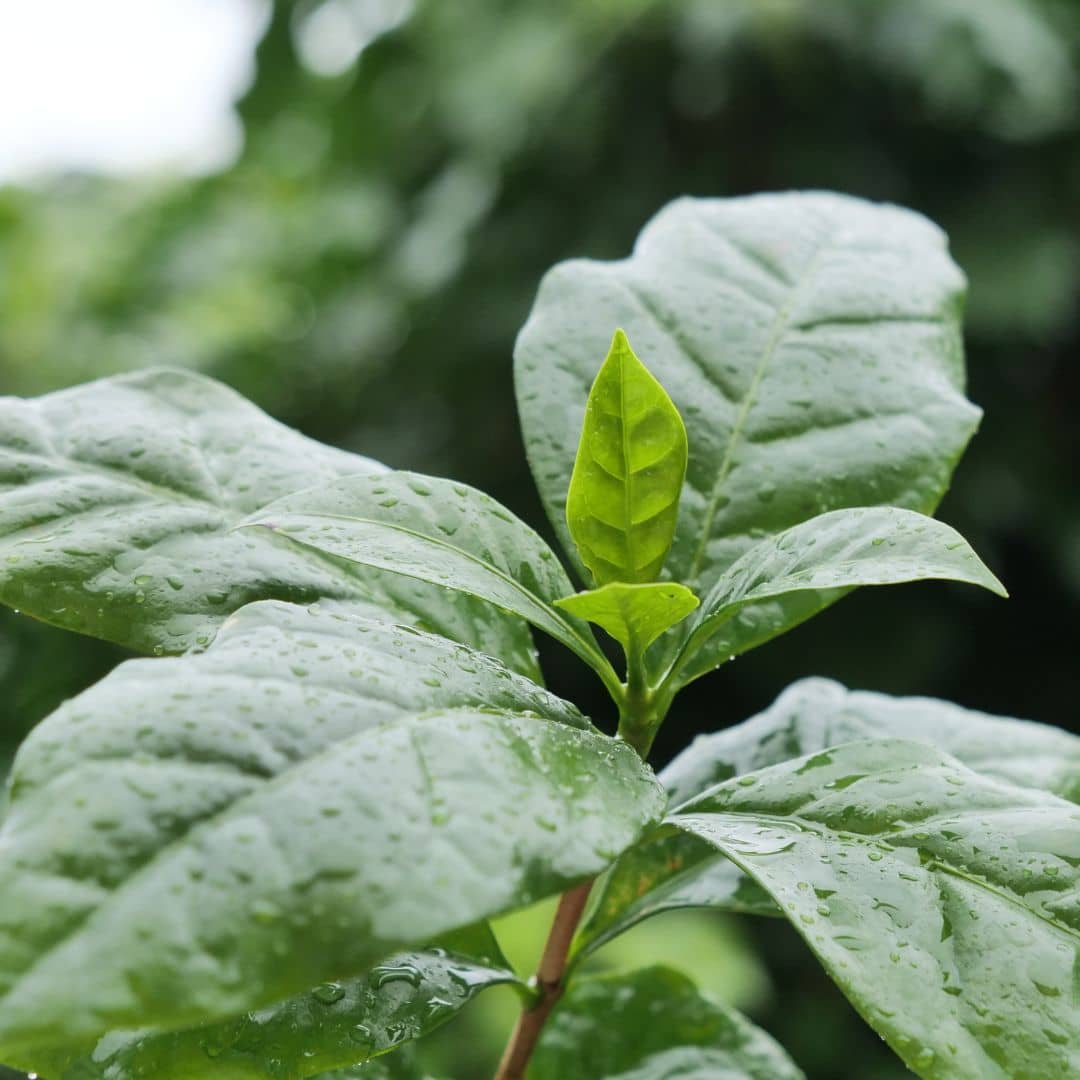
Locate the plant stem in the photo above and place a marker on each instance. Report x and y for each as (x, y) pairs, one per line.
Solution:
(639, 718)
(549, 983)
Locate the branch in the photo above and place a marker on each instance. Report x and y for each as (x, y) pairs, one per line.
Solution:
(549, 983)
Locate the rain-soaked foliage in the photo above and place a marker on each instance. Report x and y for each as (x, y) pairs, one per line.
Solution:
(361, 273)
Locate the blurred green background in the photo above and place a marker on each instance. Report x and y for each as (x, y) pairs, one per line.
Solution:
(362, 269)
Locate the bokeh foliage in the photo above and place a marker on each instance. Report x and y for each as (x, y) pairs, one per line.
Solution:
(363, 268)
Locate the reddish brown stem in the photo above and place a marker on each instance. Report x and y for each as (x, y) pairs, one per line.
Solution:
(549, 984)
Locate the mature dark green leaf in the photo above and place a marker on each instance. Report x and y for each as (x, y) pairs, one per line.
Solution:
(440, 532)
(812, 345)
(116, 501)
(944, 903)
(653, 1024)
(845, 548)
(814, 714)
(666, 871)
(334, 1025)
(634, 615)
(211, 806)
(623, 498)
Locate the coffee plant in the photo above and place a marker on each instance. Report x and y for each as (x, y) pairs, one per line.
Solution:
(273, 847)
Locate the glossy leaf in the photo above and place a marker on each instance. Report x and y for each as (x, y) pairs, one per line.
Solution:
(188, 803)
(666, 871)
(634, 615)
(838, 550)
(944, 903)
(116, 501)
(813, 714)
(811, 343)
(333, 1025)
(623, 497)
(439, 532)
(653, 1024)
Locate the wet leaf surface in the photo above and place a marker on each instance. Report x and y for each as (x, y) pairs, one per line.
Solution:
(435, 531)
(335, 1024)
(944, 903)
(653, 1024)
(116, 501)
(775, 323)
(839, 550)
(200, 836)
(667, 871)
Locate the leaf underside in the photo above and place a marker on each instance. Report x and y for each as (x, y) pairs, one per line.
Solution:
(634, 615)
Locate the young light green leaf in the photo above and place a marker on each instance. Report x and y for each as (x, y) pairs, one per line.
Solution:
(840, 550)
(811, 343)
(116, 501)
(623, 497)
(391, 838)
(440, 532)
(652, 1024)
(666, 871)
(634, 615)
(944, 903)
(334, 1025)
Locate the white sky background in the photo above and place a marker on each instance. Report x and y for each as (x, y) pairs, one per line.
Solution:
(122, 86)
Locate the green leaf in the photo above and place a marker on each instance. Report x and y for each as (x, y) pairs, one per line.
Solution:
(634, 615)
(811, 343)
(667, 871)
(623, 497)
(944, 903)
(334, 1025)
(399, 1065)
(813, 714)
(652, 1024)
(257, 798)
(838, 550)
(116, 501)
(440, 532)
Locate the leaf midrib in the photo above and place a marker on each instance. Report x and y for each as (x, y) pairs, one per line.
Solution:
(628, 481)
(776, 332)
